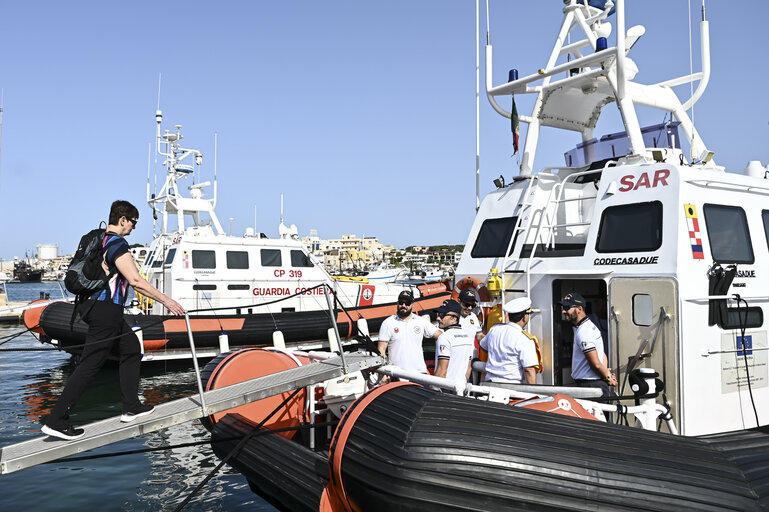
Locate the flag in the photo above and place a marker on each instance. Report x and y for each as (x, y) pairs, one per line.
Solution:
(514, 126)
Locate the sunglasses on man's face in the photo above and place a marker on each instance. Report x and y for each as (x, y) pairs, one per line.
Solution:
(404, 303)
(441, 315)
(132, 221)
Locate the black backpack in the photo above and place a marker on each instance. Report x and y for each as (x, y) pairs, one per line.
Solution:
(85, 275)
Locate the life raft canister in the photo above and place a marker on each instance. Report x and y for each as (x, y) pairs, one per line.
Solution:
(242, 365)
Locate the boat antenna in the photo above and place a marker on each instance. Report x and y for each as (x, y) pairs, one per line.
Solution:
(216, 146)
(2, 94)
(149, 165)
(477, 110)
(691, 77)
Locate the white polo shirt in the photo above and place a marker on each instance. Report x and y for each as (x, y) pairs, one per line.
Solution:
(470, 324)
(587, 337)
(456, 346)
(404, 340)
(511, 349)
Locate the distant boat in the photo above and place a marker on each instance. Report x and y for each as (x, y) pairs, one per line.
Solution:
(24, 273)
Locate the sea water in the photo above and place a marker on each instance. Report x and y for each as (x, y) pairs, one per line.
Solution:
(30, 383)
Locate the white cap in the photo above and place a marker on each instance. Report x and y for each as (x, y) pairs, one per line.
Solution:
(518, 305)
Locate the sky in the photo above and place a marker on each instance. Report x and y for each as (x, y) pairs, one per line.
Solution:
(361, 113)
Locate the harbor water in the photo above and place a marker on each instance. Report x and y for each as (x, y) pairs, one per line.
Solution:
(158, 480)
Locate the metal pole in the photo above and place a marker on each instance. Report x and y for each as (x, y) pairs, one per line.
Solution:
(336, 328)
(195, 363)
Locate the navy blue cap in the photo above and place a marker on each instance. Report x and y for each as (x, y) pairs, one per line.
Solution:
(450, 306)
(573, 299)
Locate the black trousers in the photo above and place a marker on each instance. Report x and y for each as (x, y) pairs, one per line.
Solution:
(105, 320)
(597, 383)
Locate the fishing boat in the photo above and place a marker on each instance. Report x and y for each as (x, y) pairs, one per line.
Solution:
(240, 291)
(23, 272)
(683, 302)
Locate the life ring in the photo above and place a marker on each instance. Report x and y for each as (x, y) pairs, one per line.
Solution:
(480, 289)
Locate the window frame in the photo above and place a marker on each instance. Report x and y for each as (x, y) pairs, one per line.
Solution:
(484, 231)
(713, 206)
(200, 253)
(627, 206)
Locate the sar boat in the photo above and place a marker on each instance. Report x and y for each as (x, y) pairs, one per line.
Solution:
(683, 300)
(240, 290)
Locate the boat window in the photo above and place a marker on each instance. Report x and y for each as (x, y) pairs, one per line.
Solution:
(300, 259)
(148, 259)
(643, 311)
(728, 234)
(494, 237)
(271, 258)
(203, 259)
(158, 260)
(738, 318)
(237, 259)
(204, 287)
(765, 217)
(238, 287)
(630, 228)
(170, 257)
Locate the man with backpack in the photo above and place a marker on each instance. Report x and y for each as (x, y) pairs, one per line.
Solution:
(103, 312)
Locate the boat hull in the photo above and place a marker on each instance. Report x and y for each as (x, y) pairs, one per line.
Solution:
(167, 333)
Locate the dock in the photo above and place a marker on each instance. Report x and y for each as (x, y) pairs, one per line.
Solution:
(46, 449)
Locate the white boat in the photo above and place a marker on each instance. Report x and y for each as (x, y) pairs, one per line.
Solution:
(640, 229)
(644, 222)
(247, 287)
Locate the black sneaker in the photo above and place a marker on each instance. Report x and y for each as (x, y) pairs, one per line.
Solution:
(142, 410)
(68, 433)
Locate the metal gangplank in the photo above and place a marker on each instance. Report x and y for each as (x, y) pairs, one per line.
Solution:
(45, 449)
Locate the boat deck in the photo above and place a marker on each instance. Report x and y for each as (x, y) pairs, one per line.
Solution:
(45, 449)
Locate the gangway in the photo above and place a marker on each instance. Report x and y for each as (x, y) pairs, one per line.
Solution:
(46, 449)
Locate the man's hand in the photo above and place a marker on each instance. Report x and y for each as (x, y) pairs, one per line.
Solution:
(173, 306)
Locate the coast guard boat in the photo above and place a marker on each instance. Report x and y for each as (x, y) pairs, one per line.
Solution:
(664, 245)
(241, 290)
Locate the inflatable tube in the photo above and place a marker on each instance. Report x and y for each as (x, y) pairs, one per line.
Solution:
(408, 448)
(283, 472)
(31, 317)
(234, 367)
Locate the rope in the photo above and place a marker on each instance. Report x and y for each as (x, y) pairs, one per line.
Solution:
(258, 433)
(235, 450)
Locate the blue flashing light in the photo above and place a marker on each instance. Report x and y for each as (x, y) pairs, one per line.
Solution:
(601, 44)
(512, 75)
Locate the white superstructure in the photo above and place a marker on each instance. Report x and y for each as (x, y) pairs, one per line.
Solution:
(638, 226)
(202, 267)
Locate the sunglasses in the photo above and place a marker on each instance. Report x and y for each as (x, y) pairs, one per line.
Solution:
(441, 315)
(469, 306)
(132, 221)
(566, 308)
(404, 303)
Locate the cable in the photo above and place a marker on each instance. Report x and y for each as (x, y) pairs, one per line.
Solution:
(305, 426)
(13, 336)
(743, 327)
(235, 450)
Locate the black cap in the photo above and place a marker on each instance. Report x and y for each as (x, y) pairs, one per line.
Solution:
(450, 306)
(406, 296)
(467, 295)
(573, 299)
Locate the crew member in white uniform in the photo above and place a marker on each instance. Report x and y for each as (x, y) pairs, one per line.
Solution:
(513, 352)
(469, 321)
(454, 348)
(587, 360)
(401, 336)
